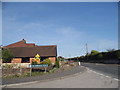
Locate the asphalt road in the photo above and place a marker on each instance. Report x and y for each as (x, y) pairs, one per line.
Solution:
(106, 69)
(41, 78)
(87, 79)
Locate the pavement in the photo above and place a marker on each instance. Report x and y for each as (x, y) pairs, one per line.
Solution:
(88, 79)
(44, 77)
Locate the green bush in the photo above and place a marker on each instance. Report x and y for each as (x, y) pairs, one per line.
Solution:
(52, 70)
(94, 52)
(46, 61)
(60, 58)
(99, 56)
(34, 62)
(57, 63)
(118, 54)
(6, 55)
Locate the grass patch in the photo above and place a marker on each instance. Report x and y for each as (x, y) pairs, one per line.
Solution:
(53, 70)
(27, 74)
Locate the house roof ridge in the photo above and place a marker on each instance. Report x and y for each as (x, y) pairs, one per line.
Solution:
(16, 43)
(47, 46)
(30, 43)
(23, 43)
(35, 46)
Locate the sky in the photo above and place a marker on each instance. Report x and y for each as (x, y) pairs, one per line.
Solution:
(69, 25)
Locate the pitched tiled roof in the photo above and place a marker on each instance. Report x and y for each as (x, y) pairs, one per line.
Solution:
(32, 51)
(23, 49)
(17, 44)
(30, 44)
(21, 43)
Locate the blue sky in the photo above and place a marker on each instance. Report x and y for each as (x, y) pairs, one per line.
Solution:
(68, 25)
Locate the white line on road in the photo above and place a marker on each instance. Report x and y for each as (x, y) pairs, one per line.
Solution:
(20, 84)
(41, 80)
(61, 78)
(102, 74)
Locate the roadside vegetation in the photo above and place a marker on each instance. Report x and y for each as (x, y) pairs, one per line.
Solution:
(27, 74)
(6, 55)
(12, 71)
(110, 56)
(60, 65)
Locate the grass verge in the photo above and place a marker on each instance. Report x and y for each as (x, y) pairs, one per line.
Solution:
(27, 74)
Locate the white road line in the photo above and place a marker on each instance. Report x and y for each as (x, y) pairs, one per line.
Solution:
(116, 79)
(20, 84)
(102, 74)
(38, 81)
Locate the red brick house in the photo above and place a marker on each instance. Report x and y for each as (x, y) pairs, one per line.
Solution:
(25, 52)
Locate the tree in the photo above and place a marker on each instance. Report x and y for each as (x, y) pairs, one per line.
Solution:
(61, 58)
(110, 50)
(118, 54)
(0, 56)
(94, 52)
(99, 56)
(6, 55)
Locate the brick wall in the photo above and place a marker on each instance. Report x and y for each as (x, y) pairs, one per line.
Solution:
(16, 60)
(17, 65)
(53, 59)
(32, 59)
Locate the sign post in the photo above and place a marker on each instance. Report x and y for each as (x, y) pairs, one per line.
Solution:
(30, 72)
(45, 69)
(37, 66)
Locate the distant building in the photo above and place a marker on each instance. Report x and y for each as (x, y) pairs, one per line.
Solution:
(25, 52)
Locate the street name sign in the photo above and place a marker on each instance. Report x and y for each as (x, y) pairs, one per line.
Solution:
(38, 65)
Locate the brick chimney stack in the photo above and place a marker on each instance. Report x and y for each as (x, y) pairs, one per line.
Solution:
(24, 40)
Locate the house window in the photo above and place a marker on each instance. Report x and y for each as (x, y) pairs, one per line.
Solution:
(26, 60)
(43, 58)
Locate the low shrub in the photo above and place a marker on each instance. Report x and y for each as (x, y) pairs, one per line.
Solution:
(46, 61)
(34, 62)
(57, 63)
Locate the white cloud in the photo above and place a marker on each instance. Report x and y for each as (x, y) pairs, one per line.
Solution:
(69, 31)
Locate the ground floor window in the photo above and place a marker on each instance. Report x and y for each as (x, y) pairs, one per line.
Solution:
(42, 58)
(6, 61)
(25, 60)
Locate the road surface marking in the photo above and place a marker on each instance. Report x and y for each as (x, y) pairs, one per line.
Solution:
(102, 74)
(59, 78)
(20, 83)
